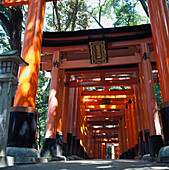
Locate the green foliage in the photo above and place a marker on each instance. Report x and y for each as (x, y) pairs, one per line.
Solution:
(109, 152)
(42, 106)
(126, 14)
(158, 94)
(67, 15)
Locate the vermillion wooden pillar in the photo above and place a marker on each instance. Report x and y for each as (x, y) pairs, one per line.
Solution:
(159, 18)
(49, 144)
(134, 123)
(53, 99)
(78, 121)
(143, 98)
(93, 147)
(138, 107)
(70, 110)
(90, 151)
(150, 93)
(60, 90)
(70, 121)
(121, 138)
(124, 134)
(135, 114)
(65, 113)
(74, 121)
(160, 29)
(131, 122)
(128, 128)
(31, 51)
(144, 125)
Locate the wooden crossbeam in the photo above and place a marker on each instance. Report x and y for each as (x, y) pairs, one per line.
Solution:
(132, 81)
(113, 92)
(112, 61)
(108, 137)
(96, 119)
(106, 129)
(103, 123)
(121, 70)
(99, 102)
(102, 107)
(123, 60)
(109, 141)
(112, 114)
(7, 3)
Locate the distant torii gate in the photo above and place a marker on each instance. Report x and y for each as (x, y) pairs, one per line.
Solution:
(26, 93)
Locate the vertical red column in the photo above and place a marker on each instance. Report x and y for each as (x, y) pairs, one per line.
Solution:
(65, 113)
(150, 93)
(159, 17)
(31, 51)
(53, 116)
(53, 98)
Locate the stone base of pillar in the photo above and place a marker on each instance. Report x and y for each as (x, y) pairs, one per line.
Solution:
(129, 154)
(132, 152)
(52, 147)
(23, 155)
(122, 156)
(146, 134)
(164, 112)
(78, 147)
(70, 143)
(22, 127)
(65, 149)
(81, 151)
(86, 155)
(74, 146)
(155, 144)
(136, 150)
(49, 147)
(6, 161)
(140, 144)
(163, 155)
(126, 155)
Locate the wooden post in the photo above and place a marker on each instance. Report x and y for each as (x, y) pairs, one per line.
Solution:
(143, 99)
(53, 99)
(150, 93)
(138, 107)
(159, 17)
(65, 108)
(132, 130)
(60, 90)
(135, 114)
(31, 51)
(128, 128)
(121, 137)
(124, 134)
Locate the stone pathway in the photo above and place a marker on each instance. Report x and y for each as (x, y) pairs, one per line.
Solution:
(92, 165)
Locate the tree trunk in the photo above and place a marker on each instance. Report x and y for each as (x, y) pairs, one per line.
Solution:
(16, 23)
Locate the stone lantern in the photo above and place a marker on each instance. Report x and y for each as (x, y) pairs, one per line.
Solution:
(9, 66)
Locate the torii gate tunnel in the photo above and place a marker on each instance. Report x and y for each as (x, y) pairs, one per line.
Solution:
(122, 109)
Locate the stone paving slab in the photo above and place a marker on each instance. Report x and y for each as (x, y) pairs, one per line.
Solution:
(92, 165)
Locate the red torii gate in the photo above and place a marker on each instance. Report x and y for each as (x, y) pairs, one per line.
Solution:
(26, 93)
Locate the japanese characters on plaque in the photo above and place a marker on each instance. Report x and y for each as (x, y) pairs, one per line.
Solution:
(98, 52)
